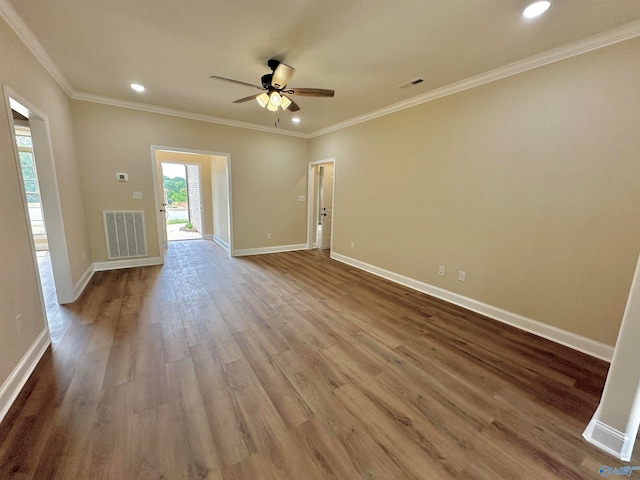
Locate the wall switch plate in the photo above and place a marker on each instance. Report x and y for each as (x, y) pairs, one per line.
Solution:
(441, 271)
(268, 236)
(122, 177)
(353, 245)
(137, 195)
(462, 275)
(301, 198)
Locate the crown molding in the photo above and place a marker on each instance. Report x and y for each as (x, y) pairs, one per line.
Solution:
(145, 107)
(616, 35)
(31, 42)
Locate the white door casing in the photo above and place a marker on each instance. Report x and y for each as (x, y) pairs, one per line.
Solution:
(313, 202)
(326, 203)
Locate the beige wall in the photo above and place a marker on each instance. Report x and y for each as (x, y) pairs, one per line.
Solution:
(18, 288)
(220, 198)
(268, 172)
(530, 184)
(205, 180)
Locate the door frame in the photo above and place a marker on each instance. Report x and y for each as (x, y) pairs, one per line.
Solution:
(160, 219)
(312, 193)
(49, 196)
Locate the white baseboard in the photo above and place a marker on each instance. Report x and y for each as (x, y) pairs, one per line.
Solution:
(262, 250)
(126, 263)
(609, 439)
(221, 242)
(20, 374)
(79, 287)
(563, 337)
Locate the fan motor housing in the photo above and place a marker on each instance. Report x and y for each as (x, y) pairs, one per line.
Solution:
(266, 80)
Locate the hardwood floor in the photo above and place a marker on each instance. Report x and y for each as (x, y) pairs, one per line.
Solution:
(293, 366)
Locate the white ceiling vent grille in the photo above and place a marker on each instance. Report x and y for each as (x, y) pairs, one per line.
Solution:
(125, 235)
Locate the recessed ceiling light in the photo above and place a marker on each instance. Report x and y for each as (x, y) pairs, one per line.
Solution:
(295, 120)
(536, 8)
(137, 87)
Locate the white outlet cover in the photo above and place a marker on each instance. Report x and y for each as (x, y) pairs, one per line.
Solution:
(301, 198)
(137, 195)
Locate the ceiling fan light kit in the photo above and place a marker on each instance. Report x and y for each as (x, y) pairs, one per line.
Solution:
(274, 85)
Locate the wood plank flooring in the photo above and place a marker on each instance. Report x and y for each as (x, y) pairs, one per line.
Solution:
(293, 367)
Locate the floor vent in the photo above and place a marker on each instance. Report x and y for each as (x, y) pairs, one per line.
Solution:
(125, 234)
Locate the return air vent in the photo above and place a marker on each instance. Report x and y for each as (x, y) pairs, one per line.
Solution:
(125, 235)
(412, 83)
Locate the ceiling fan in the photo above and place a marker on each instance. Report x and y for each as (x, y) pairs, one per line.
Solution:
(274, 85)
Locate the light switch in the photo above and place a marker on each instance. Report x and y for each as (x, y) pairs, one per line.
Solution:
(137, 195)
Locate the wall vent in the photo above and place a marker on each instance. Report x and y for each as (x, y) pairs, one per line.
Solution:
(125, 234)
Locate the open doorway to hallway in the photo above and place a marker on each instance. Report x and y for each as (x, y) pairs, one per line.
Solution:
(320, 213)
(183, 201)
(40, 199)
(35, 210)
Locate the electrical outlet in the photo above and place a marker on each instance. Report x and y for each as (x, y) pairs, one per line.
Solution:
(268, 236)
(442, 271)
(301, 198)
(137, 195)
(19, 323)
(462, 275)
(353, 245)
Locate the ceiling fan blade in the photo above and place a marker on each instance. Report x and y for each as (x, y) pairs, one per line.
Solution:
(281, 75)
(237, 82)
(311, 92)
(246, 99)
(293, 107)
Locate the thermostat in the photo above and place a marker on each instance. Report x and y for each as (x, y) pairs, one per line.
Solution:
(122, 177)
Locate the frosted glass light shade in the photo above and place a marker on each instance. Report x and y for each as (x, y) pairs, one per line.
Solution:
(262, 99)
(275, 98)
(285, 102)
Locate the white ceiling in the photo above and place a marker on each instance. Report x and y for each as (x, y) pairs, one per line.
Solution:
(363, 49)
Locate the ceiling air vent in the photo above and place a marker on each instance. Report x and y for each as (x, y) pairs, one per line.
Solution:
(412, 83)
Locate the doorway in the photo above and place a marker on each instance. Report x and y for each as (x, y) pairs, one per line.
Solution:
(321, 197)
(201, 195)
(41, 199)
(182, 190)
